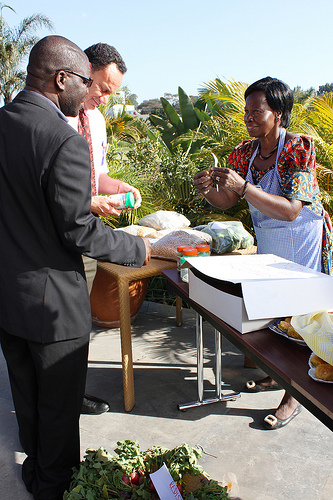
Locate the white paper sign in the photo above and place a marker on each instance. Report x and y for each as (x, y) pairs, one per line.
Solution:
(164, 484)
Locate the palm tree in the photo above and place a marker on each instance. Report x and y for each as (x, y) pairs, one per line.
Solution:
(123, 128)
(225, 99)
(15, 45)
(226, 129)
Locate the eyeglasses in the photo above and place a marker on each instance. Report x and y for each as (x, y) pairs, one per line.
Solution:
(86, 81)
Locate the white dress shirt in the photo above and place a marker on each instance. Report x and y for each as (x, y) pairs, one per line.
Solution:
(98, 138)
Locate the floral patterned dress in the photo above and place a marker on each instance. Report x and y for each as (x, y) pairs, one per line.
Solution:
(297, 170)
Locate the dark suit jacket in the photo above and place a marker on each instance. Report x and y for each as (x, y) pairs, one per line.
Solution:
(46, 224)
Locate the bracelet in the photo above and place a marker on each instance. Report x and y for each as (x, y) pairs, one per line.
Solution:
(233, 191)
(244, 190)
(118, 187)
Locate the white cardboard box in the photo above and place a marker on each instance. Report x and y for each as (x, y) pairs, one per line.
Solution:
(249, 291)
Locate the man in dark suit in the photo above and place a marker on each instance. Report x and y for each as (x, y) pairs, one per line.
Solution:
(45, 226)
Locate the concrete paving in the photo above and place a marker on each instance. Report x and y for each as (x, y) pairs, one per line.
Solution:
(293, 463)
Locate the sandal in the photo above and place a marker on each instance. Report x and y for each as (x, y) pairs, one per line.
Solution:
(271, 422)
(252, 386)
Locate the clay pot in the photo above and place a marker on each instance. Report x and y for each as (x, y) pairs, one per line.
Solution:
(104, 299)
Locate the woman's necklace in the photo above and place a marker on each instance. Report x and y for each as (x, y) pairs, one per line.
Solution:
(268, 156)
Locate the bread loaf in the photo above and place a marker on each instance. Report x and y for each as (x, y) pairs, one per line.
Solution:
(283, 326)
(316, 360)
(291, 332)
(286, 327)
(324, 371)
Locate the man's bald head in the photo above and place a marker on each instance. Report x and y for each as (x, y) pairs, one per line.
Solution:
(59, 70)
(53, 53)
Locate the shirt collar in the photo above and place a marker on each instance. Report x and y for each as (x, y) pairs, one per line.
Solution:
(58, 111)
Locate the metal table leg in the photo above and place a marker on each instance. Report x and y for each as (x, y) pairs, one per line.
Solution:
(199, 357)
(218, 364)
(218, 371)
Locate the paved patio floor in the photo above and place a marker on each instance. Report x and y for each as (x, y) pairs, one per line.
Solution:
(293, 463)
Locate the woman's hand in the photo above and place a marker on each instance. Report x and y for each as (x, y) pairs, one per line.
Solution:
(203, 182)
(228, 179)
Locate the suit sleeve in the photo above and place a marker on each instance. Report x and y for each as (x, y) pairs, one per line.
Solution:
(68, 199)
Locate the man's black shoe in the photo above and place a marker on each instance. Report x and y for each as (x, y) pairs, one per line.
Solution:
(94, 406)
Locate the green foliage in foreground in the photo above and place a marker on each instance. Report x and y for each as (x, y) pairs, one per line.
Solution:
(103, 476)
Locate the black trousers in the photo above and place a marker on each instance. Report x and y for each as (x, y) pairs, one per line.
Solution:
(47, 383)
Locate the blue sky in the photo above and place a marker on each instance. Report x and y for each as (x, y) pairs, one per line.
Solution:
(187, 43)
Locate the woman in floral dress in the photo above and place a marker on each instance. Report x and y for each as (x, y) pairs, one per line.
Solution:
(276, 174)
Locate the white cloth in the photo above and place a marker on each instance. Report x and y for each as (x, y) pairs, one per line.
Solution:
(317, 331)
(98, 138)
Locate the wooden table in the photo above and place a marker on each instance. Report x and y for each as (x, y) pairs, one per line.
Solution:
(123, 275)
(283, 360)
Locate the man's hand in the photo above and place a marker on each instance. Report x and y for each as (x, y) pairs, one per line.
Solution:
(109, 185)
(137, 197)
(102, 205)
(125, 188)
(148, 250)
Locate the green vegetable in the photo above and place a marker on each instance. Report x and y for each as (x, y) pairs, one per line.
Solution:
(210, 491)
(99, 476)
(227, 236)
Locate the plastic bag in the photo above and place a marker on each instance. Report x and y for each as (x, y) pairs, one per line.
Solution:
(227, 236)
(166, 247)
(142, 231)
(165, 219)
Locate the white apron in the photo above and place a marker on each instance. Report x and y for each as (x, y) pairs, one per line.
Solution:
(299, 240)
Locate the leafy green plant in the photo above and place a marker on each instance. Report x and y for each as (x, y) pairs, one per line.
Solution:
(126, 474)
(157, 292)
(138, 165)
(191, 119)
(123, 128)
